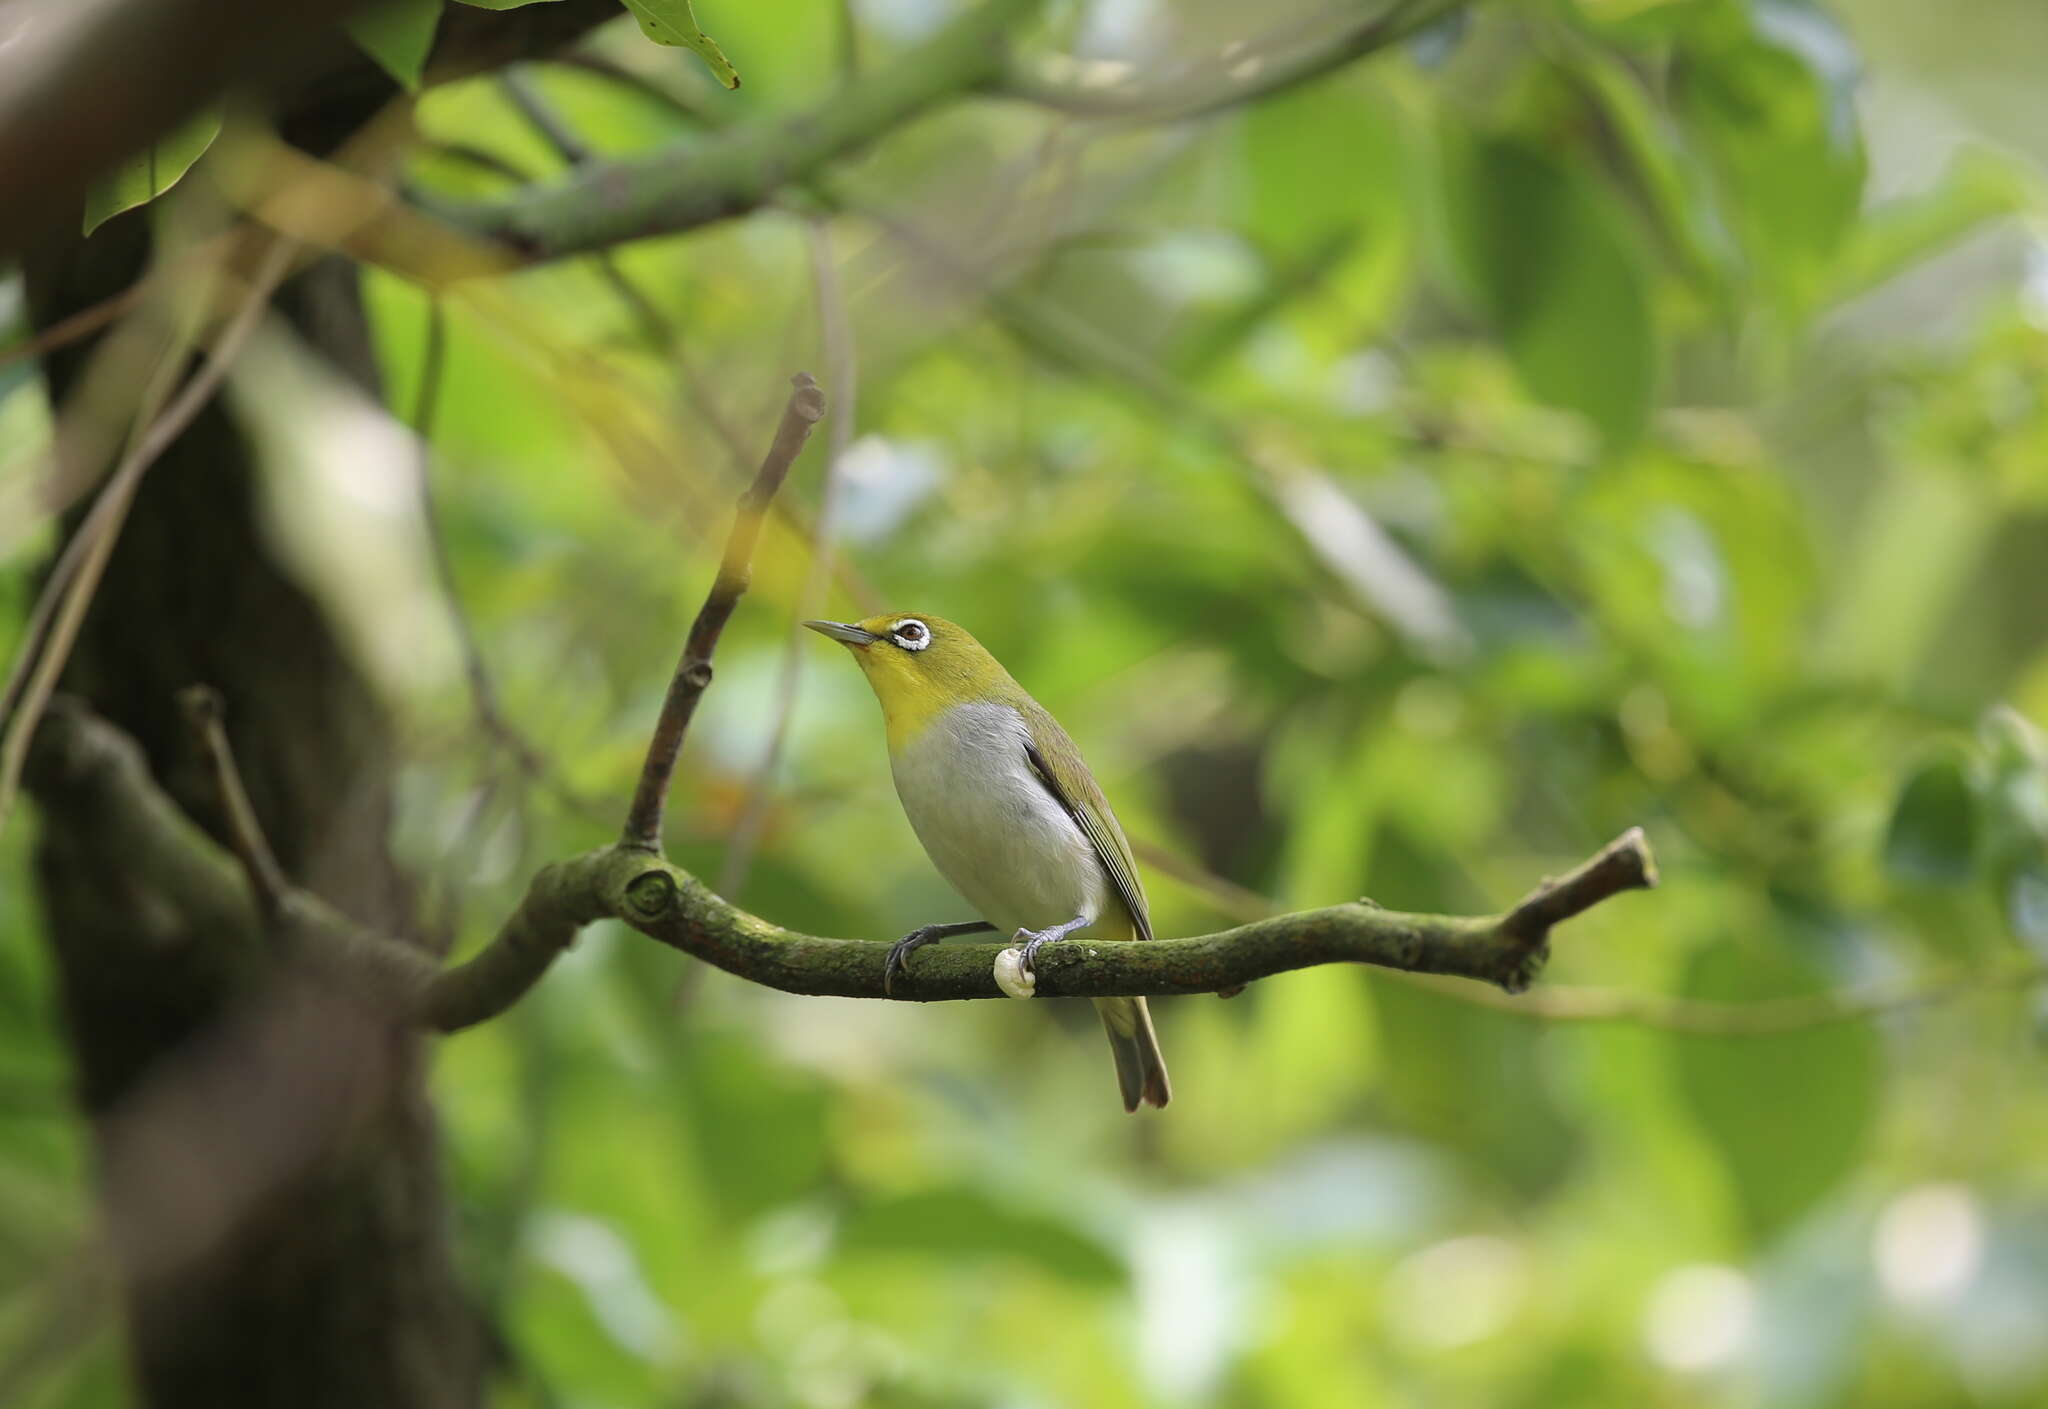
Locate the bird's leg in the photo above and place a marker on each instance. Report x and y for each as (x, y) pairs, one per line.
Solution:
(1035, 940)
(902, 949)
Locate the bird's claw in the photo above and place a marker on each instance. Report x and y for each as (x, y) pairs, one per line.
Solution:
(898, 961)
(1035, 940)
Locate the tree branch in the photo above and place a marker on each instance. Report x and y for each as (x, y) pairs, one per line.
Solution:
(695, 182)
(204, 714)
(1242, 73)
(80, 761)
(674, 907)
(560, 901)
(806, 407)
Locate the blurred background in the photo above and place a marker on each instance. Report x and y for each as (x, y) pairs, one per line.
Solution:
(1573, 415)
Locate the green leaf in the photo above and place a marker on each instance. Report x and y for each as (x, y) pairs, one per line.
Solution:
(1788, 1112)
(1932, 839)
(1789, 174)
(144, 177)
(672, 22)
(759, 1126)
(502, 4)
(399, 37)
(1549, 262)
(952, 1222)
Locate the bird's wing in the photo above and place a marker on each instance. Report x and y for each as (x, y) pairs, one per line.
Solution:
(1058, 765)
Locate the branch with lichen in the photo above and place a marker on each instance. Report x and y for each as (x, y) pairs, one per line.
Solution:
(668, 904)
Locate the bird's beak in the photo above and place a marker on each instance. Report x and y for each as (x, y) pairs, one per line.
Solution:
(844, 631)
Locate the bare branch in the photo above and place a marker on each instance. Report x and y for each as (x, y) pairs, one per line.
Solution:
(806, 407)
(483, 690)
(204, 715)
(1242, 73)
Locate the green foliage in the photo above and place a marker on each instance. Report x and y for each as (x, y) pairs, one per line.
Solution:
(1550, 264)
(1788, 1113)
(1702, 390)
(963, 1224)
(1933, 833)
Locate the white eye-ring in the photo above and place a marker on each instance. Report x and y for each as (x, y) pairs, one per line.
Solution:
(911, 634)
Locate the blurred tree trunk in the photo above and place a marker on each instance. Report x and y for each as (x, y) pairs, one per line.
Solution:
(289, 1247)
(269, 1175)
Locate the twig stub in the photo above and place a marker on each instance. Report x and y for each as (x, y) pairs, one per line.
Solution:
(1623, 864)
(805, 408)
(206, 716)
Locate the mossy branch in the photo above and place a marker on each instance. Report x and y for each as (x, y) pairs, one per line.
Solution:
(701, 180)
(668, 904)
(696, 182)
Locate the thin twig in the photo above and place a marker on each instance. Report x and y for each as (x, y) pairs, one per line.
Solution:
(1243, 73)
(483, 690)
(1351, 546)
(805, 409)
(205, 716)
(102, 523)
(836, 333)
(155, 388)
(87, 321)
(1564, 1003)
(1763, 1017)
(519, 90)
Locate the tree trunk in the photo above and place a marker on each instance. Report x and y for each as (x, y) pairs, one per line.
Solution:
(267, 1155)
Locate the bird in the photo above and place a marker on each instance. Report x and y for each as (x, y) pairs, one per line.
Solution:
(1005, 808)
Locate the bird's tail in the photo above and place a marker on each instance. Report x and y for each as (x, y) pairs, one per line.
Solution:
(1140, 1070)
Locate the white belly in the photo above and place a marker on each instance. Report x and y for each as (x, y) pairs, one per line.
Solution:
(990, 825)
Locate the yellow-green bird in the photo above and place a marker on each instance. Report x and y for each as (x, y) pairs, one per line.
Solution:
(1006, 810)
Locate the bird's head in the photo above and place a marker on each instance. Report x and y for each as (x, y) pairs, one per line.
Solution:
(919, 666)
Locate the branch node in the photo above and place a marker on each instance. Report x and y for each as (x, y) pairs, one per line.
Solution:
(651, 895)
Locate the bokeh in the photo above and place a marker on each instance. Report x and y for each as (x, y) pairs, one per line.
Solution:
(1577, 416)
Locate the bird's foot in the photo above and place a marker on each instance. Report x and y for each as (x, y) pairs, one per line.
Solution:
(900, 952)
(902, 949)
(1035, 940)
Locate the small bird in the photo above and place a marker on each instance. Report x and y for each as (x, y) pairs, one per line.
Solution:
(1007, 811)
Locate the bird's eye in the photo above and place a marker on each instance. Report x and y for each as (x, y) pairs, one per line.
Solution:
(911, 635)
